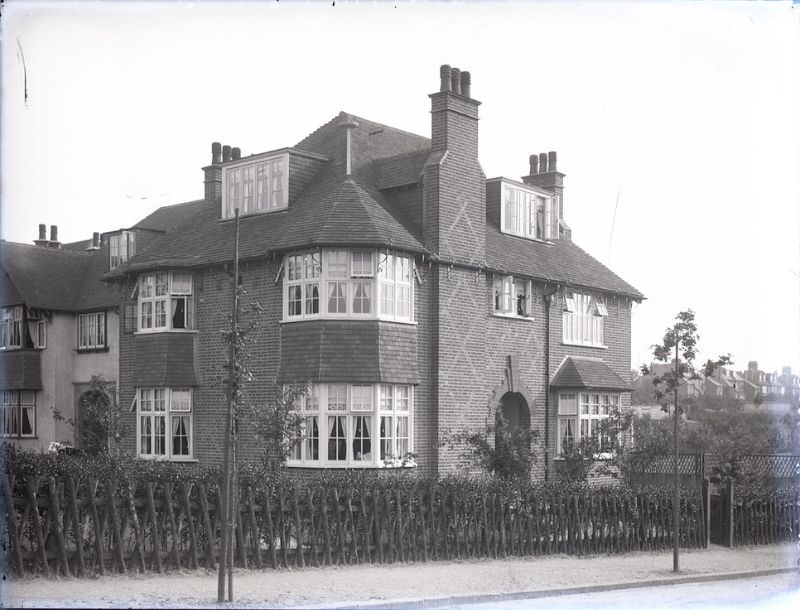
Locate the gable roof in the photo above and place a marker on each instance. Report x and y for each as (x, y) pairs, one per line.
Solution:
(590, 373)
(50, 278)
(168, 217)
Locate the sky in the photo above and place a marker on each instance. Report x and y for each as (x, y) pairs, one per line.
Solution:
(677, 125)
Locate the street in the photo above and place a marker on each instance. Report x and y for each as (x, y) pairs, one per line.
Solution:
(777, 591)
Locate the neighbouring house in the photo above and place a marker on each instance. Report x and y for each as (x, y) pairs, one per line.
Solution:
(414, 298)
(59, 329)
(768, 392)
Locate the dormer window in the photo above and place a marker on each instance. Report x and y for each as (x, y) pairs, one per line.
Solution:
(527, 213)
(121, 246)
(256, 185)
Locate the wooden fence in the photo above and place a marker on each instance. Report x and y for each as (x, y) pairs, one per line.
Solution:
(765, 520)
(80, 527)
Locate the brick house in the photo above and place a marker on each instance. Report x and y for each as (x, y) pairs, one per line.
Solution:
(413, 296)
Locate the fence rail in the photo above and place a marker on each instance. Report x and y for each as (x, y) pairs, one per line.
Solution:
(76, 528)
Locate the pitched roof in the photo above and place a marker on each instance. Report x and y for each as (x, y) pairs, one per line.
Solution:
(168, 217)
(560, 261)
(49, 278)
(579, 372)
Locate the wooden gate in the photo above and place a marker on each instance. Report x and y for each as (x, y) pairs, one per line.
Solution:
(721, 516)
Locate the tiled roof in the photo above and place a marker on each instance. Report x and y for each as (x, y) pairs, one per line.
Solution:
(593, 373)
(49, 278)
(168, 217)
(401, 170)
(562, 261)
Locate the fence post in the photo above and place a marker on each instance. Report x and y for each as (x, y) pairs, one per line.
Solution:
(707, 510)
(729, 514)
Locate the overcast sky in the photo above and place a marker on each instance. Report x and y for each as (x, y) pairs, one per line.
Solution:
(682, 118)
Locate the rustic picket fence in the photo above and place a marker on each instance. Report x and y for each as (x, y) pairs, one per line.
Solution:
(765, 519)
(77, 527)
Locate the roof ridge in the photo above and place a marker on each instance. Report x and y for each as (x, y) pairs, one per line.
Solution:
(43, 249)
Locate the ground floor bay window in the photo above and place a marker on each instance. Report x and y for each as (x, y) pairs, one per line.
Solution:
(585, 415)
(19, 414)
(353, 425)
(164, 423)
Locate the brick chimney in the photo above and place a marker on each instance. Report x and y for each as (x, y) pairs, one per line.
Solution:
(454, 196)
(544, 174)
(95, 245)
(213, 174)
(54, 243)
(42, 241)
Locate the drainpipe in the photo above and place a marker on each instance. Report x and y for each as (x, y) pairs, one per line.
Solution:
(548, 298)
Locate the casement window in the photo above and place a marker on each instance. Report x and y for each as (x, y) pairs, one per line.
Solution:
(256, 186)
(92, 330)
(348, 283)
(164, 423)
(583, 319)
(121, 246)
(581, 415)
(165, 301)
(19, 413)
(529, 214)
(37, 329)
(11, 327)
(353, 425)
(512, 296)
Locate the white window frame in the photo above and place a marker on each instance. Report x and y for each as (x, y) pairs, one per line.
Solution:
(583, 320)
(584, 410)
(255, 186)
(88, 322)
(161, 408)
(512, 297)
(527, 213)
(121, 246)
(11, 328)
(342, 277)
(346, 415)
(164, 291)
(14, 403)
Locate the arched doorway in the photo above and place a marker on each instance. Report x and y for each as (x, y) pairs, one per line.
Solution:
(93, 420)
(512, 440)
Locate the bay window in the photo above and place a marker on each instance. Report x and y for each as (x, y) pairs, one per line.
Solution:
(585, 415)
(512, 296)
(92, 330)
(353, 425)
(19, 414)
(583, 319)
(165, 301)
(348, 283)
(164, 423)
(11, 328)
(527, 213)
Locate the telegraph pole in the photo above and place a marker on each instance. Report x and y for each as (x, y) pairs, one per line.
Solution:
(676, 515)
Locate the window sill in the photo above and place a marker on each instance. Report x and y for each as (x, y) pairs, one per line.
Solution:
(345, 466)
(91, 350)
(602, 457)
(510, 316)
(242, 215)
(349, 319)
(161, 458)
(545, 242)
(162, 331)
(589, 345)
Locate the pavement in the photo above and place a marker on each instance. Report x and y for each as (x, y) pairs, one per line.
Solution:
(419, 585)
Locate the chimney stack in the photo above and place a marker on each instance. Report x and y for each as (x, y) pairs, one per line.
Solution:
(236, 153)
(54, 243)
(95, 241)
(455, 77)
(466, 81)
(444, 73)
(226, 153)
(42, 241)
(213, 174)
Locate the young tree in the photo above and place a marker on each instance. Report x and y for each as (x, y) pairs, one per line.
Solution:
(679, 346)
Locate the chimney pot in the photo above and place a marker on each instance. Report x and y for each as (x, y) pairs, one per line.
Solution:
(236, 153)
(347, 126)
(95, 240)
(534, 161)
(444, 73)
(216, 153)
(455, 77)
(466, 81)
(542, 163)
(53, 233)
(551, 161)
(226, 153)
(42, 232)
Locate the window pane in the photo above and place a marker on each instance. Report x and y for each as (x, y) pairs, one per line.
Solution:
(295, 300)
(182, 283)
(362, 297)
(312, 266)
(362, 263)
(387, 442)
(160, 320)
(161, 284)
(294, 269)
(361, 398)
(387, 298)
(386, 397)
(27, 421)
(337, 397)
(312, 438)
(362, 446)
(402, 436)
(180, 435)
(181, 400)
(160, 435)
(337, 263)
(159, 399)
(403, 302)
(145, 435)
(337, 297)
(403, 397)
(312, 299)
(337, 438)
